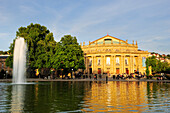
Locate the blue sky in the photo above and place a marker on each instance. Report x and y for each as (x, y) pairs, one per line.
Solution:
(147, 21)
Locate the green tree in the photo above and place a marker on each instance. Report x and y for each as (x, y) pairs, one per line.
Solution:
(152, 61)
(168, 56)
(39, 40)
(147, 67)
(45, 51)
(69, 55)
(157, 65)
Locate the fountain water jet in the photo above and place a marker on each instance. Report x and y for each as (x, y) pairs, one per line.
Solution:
(19, 61)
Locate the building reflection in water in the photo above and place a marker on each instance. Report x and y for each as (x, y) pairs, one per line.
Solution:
(18, 98)
(116, 96)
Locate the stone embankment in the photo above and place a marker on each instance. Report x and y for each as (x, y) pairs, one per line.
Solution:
(87, 79)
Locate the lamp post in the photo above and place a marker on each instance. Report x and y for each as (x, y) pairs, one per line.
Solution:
(72, 73)
(6, 74)
(62, 73)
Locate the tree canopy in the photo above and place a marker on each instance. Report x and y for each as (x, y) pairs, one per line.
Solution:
(68, 55)
(40, 43)
(157, 65)
(45, 52)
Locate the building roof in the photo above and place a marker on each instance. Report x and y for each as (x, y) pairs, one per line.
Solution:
(108, 37)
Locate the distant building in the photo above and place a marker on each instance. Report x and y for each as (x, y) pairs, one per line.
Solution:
(162, 57)
(114, 56)
(3, 66)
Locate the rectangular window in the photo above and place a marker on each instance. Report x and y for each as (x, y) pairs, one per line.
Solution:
(144, 61)
(126, 61)
(99, 61)
(90, 62)
(108, 61)
(117, 61)
(134, 62)
(117, 70)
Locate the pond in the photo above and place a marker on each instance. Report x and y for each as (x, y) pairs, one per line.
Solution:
(87, 96)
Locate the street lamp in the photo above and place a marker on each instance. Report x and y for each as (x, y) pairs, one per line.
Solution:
(72, 73)
(6, 74)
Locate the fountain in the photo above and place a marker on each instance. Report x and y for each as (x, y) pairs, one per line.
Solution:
(19, 61)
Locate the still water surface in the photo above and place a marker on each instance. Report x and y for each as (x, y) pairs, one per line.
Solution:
(72, 96)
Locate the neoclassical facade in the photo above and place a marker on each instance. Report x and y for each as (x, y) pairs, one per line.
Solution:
(114, 56)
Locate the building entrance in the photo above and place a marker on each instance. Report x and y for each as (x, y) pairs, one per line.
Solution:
(127, 71)
(99, 70)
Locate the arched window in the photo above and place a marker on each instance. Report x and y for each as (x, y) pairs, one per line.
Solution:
(99, 62)
(108, 41)
(126, 61)
(90, 62)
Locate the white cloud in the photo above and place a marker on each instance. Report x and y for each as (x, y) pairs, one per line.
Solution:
(153, 39)
(28, 10)
(3, 35)
(4, 16)
(100, 14)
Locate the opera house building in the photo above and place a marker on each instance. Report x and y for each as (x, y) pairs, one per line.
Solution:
(113, 56)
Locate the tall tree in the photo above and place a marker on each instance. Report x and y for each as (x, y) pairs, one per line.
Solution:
(39, 41)
(152, 61)
(157, 65)
(69, 55)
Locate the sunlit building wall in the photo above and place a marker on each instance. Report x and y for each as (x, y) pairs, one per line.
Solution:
(112, 55)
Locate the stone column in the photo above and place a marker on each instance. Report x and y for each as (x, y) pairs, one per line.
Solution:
(85, 62)
(133, 64)
(140, 63)
(122, 64)
(87, 65)
(111, 64)
(114, 64)
(103, 63)
(130, 64)
(93, 65)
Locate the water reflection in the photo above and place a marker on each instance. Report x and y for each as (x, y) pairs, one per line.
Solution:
(158, 95)
(18, 97)
(113, 96)
(120, 97)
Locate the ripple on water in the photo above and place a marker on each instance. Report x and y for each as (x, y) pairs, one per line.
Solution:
(88, 110)
(133, 110)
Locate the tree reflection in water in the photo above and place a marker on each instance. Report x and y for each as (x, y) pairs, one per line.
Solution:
(74, 96)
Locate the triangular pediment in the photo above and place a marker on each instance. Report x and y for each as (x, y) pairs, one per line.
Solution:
(108, 39)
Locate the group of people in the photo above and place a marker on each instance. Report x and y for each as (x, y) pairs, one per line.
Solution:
(127, 76)
(121, 76)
